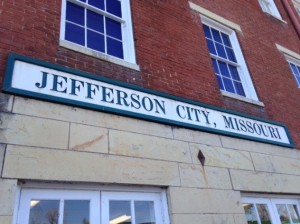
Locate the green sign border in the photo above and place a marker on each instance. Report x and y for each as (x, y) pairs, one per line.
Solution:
(7, 87)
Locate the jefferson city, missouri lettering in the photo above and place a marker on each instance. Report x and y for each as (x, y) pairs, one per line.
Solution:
(251, 127)
(105, 94)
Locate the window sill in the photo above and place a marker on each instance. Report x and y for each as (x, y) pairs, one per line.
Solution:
(241, 98)
(96, 54)
(276, 17)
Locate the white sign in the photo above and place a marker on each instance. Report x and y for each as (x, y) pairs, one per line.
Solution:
(67, 86)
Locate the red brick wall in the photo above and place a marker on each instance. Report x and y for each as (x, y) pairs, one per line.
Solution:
(171, 51)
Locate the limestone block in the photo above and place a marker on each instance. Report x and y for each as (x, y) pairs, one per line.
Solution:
(6, 102)
(264, 182)
(2, 152)
(88, 117)
(33, 131)
(88, 138)
(6, 219)
(8, 190)
(252, 146)
(204, 177)
(137, 145)
(240, 219)
(195, 201)
(220, 157)
(204, 218)
(64, 165)
(196, 136)
(276, 164)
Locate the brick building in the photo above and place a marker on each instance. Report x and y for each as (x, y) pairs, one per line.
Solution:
(147, 111)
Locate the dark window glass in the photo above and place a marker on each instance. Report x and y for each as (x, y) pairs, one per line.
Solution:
(216, 35)
(228, 85)
(114, 48)
(220, 83)
(76, 212)
(74, 33)
(75, 13)
(298, 80)
(224, 69)
(226, 40)
(207, 31)
(239, 88)
(211, 47)
(221, 50)
(114, 7)
(234, 73)
(230, 54)
(95, 21)
(97, 3)
(113, 29)
(216, 69)
(83, 0)
(95, 41)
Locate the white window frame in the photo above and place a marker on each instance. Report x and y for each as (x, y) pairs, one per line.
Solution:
(127, 34)
(99, 197)
(297, 6)
(269, 6)
(292, 57)
(271, 204)
(244, 74)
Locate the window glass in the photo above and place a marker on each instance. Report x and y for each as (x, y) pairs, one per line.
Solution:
(295, 68)
(144, 212)
(224, 61)
(119, 212)
(99, 25)
(263, 212)
(44, 211)
(76, 212)
(251, 214)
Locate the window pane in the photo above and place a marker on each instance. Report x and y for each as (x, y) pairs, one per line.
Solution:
(294, 69)
(119, 212)
(294, 213)
(211, 47)
(226, 40)
(114, 7)
(207, 31)
(95, 41)
(230, 54)
(228, 85)
(113, 29)
(216, 35)
(251, 214)
(234, 73)
(97, 3)
(144, 212)
(95, 21)
(263, 213)
(44, 211)
(75, 13)
(221, 50)
(74, 34)
(283, 214)
(216, 69)
(76, 212)
(239, 88)
(220, 83)
(224, 69)
(114, 48)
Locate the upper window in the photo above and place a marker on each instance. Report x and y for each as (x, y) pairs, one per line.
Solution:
(227, 59)
(271, 210)
(269, 7)
(45, 206)
(99, 25)
(295, 68)
(297, 6)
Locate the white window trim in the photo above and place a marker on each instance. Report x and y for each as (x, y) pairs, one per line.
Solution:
(271, 201)
(95, 192)
(290, 56)
(129, 60)
(273, 9)
(242, 68)
(297, 6)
